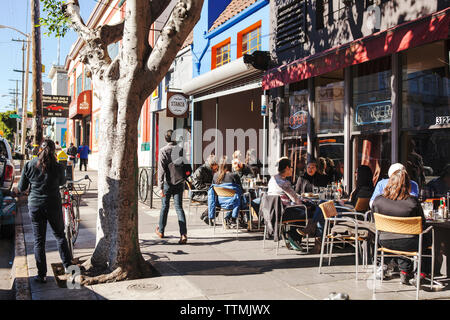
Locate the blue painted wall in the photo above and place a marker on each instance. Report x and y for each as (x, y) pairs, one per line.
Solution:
(204, 41)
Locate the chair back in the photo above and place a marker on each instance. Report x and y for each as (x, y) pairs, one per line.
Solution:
(188, 184)
(403, 225)
(224, 192)
(362, 204)
(328, 209)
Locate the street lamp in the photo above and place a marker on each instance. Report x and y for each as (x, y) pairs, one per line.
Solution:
(25, 94)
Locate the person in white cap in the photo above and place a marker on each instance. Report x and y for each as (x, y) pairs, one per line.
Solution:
(382, 183)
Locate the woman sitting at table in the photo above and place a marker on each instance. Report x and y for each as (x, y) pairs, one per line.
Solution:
(226, 179)
(397, 201)
(364, 189)
(311, 178)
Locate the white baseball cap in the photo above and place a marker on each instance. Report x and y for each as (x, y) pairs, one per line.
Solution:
(395, 167)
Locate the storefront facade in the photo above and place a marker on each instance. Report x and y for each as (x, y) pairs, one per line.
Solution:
(374, 100)
(225, 92)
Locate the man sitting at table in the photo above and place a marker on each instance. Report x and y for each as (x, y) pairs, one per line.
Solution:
(201, 179)
(379, 188)
(311, 178)
(441, 185)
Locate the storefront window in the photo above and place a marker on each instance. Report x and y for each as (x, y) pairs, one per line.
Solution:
(426, 87)
(329, 102)
(372, 95)
(425, 135)
(295, 126)
(372, 116)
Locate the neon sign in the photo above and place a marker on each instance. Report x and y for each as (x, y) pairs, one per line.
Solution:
(298, 119)
(375, 112)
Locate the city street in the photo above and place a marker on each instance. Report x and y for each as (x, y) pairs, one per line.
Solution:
(6, 263)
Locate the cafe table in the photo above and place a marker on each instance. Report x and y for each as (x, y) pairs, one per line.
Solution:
(441, 246)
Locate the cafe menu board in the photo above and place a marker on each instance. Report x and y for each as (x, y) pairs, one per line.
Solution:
(54, 106)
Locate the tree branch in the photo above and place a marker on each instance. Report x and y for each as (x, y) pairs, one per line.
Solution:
(184, 16)
(71, 10)
(111, 33)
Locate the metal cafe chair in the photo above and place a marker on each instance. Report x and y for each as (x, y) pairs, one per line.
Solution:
(225, 192)
(285, 223)
(330, 238)
(403, 225)
(192, 202)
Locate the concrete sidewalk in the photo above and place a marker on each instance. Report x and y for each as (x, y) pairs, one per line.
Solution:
(211, 267)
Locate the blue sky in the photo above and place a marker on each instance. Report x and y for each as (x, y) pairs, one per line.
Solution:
(16, 14)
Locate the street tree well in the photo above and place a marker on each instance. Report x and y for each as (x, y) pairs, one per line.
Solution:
(123, 84)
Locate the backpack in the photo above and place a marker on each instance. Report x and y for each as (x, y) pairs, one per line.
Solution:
(179, 171)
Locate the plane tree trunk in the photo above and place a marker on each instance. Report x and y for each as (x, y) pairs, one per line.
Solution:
(123, 85)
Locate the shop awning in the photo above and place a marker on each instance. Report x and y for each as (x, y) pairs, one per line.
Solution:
(407, 35)
(82, 106)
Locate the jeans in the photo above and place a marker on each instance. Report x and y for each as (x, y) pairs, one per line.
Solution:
(39, 218)
(83, 162)
(177, 192)
(410, 244)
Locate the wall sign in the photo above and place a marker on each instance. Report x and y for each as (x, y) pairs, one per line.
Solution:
(83, 105)
(55, 106)
(443, 120)
(177, 105)
(298, 119)
(375, 112)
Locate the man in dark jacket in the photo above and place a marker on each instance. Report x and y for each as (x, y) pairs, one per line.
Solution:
(202, 178)
(167, 155)
(72, 153)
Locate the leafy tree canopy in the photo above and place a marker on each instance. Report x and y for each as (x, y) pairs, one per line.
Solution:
(55, 22)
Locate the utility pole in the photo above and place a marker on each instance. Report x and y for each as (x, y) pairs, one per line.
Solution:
(37, 76)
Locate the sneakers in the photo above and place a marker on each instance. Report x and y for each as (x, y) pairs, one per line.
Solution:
(40, 279)
(423, 279)
(405, 277)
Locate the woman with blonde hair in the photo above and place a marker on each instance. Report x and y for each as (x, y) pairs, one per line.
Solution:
(397, 201)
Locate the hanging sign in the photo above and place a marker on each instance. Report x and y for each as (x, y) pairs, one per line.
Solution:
(177, 105)
(374, 112)
(55, 106)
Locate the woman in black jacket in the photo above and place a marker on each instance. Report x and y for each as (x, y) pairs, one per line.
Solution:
(44, 175)
(397, 201)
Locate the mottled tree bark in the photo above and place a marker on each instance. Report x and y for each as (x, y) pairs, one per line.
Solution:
(123, 85)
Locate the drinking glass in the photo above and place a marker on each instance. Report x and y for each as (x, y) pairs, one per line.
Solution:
(428, 209)
(315, 190)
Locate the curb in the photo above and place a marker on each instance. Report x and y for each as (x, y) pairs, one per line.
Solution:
(20, 265)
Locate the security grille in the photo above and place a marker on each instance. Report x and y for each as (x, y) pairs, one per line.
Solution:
(291, 25)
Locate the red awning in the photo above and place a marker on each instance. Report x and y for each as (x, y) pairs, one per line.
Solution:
(407, 35)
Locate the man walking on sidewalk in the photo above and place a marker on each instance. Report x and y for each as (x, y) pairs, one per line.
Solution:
(166, 157)
(84, 151)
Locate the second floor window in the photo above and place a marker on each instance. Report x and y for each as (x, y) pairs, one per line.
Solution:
(222, 55)
(79, 84)
(251, 41)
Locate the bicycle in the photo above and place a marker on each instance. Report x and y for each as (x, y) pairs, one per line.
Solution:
(144, 184)
(71, 211)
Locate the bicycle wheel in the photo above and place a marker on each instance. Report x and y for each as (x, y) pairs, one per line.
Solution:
(68, 231)
(143, 185)
(75, 216)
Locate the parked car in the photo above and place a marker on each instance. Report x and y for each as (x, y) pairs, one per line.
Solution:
(8, 206)
(6, 166)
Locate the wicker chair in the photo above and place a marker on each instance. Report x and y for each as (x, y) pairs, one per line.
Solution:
(329, 238)
(225, 192)
(402, 225)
